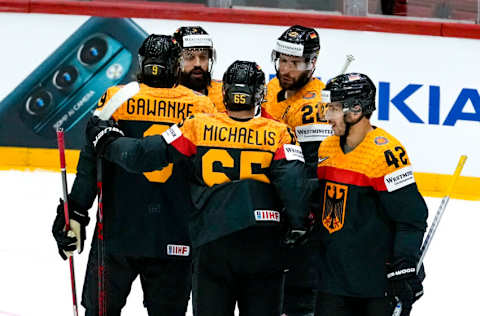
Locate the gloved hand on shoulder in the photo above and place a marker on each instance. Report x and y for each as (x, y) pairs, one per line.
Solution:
(101, 133)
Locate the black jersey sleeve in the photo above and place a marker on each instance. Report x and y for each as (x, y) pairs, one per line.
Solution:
(408, 211)
(84, 188)
(400, 198)
(288, 175)
(139, 155)
(151, 153)
(289, 179)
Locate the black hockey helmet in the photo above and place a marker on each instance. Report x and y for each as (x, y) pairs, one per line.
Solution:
(351, 89)
(196, 38)
(297, 41)
(159, 61)
(243, 86)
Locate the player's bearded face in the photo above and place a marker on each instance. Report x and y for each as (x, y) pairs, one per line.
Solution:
(292, 72)
(195, 73)
(335, 116)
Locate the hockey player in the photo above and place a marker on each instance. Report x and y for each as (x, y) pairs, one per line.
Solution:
(199, 57)
(145, 215)
(373, 218)
(294, 97)
(243, 169)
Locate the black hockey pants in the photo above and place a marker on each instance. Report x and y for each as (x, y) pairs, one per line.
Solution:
(166, 284)
(301, 281)
(336, 305)
(245, 268)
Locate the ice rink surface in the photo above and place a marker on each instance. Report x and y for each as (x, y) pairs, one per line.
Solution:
(35, 281)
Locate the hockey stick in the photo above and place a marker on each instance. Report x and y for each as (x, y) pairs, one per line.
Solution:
(438, 216)
(125, 93)
(102, 306)
(61, 150)
(282, 294)
(349, 60)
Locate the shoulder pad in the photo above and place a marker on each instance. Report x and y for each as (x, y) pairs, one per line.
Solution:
(393, 161)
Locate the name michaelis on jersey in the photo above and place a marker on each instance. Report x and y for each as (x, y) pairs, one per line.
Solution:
(162, 108)
(234, 134)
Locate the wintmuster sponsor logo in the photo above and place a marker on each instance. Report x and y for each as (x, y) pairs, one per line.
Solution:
(293, 152)
(313, 132)
(399, 178)
(171, 134)
(289, 48)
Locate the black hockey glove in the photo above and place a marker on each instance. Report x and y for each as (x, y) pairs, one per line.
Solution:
(299, 236)
(294, 236)
(72, 240)
(404, 284)
(101, 133)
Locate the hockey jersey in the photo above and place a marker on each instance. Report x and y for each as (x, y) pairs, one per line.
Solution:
(144, 214)
(214, 92)
(371, 212)
(303, 112)
(241, 171)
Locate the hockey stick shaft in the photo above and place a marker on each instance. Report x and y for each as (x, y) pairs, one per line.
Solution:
(61, 150)
(348, 61)
(105, 113)
(282, 294)
(440, 211)
(438, 216)
(102, 307)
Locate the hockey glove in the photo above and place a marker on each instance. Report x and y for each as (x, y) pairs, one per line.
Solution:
(294, 236)
(404, 284)
(101, 133)
(72, 240)
(299, 236)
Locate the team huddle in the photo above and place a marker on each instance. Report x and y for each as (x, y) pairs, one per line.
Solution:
(280, 198)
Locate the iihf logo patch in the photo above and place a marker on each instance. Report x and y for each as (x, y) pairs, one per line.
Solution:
(178, 250)
(267, 216)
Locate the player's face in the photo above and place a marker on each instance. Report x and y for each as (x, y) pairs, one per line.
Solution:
(195, 68)
(291, 70)
(335, 117)
(195, 61)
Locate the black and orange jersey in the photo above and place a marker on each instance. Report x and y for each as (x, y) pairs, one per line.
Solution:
(371, 212)
(163, 105)
(145, 214)
(241, 171)
(302, 112)
(214, 92)
(219, 138)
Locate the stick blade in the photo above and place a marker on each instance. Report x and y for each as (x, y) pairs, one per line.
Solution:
(125, 93)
